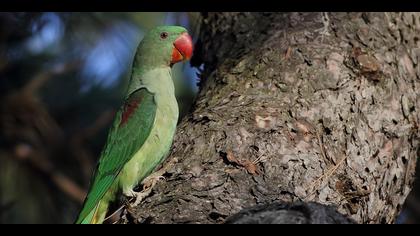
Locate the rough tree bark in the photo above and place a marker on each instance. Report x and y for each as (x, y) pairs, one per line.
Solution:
(320, 107)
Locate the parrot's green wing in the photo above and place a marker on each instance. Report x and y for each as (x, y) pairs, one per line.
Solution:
(131, 127)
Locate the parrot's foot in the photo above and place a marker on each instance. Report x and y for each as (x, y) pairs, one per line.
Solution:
(148, 184)
(151, 180)
(139, 196)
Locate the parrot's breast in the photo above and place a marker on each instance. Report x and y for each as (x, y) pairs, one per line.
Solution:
(159, 142)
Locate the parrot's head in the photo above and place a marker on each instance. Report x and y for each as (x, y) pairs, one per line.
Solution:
(165, 45)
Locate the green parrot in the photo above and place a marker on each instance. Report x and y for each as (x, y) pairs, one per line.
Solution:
(143, 128)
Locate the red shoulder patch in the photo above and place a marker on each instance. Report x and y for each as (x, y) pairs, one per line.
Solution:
(128, 110)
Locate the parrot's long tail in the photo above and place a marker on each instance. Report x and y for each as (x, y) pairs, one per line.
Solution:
(97, 215)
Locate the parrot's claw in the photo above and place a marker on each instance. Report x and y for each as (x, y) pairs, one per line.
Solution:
(151, 180)
(148, 184)
(140, 196)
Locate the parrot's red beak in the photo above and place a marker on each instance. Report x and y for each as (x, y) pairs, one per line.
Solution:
(183, 48)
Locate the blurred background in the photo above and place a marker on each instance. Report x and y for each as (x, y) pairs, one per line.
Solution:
(62, 77)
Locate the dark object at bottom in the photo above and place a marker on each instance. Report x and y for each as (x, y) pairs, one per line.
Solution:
(289, 213)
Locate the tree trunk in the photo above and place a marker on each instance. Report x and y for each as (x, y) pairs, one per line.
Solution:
(320, 107)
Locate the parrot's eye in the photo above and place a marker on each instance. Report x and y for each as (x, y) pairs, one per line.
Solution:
(163, 35)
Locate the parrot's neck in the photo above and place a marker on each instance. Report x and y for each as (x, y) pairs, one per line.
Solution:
(157, 81)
